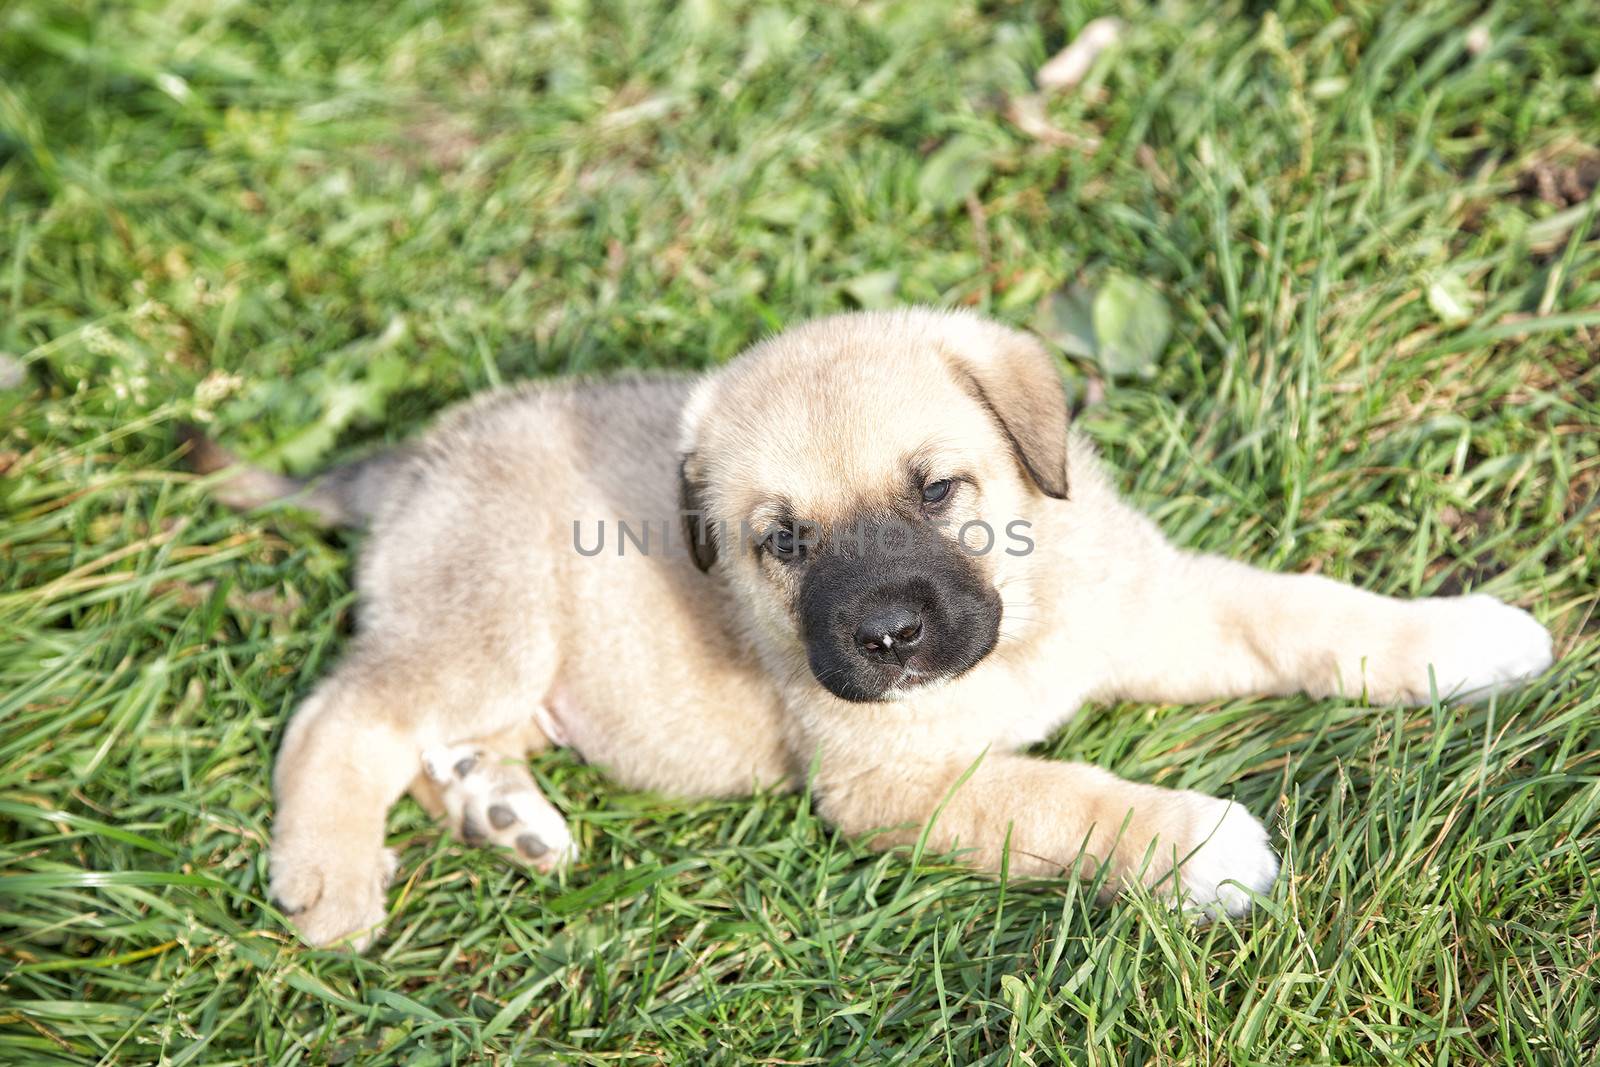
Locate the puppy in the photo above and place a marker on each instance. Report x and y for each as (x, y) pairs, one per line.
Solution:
(872, 546)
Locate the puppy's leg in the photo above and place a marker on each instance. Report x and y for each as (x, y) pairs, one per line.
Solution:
(1206, 851)
(1198, 627)
(346, 758)
(349, 752)
(483, 792)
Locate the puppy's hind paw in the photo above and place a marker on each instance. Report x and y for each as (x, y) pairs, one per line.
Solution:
(492, 800)
(332, 898)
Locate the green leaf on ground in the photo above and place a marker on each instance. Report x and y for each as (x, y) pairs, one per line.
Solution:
(1131, 326)
(1123, 325)
(1451, 299)
(1066, 319)
(876, 289)
(956, 170)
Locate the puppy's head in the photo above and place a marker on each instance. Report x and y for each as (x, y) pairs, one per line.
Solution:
(864, 483)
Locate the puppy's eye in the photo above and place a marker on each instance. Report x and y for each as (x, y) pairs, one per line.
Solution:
(783, 543)
(934, 492)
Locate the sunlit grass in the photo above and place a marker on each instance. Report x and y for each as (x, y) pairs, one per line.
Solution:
(316, 224)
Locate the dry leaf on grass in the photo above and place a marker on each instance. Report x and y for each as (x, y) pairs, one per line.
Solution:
(1062, 72)
(1068, 67)
(1561, 184)
(1027, 114)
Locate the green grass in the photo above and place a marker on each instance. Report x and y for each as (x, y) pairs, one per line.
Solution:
(316, 224)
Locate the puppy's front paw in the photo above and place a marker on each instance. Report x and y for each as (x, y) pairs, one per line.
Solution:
(332, 898)
(1477, 645)
(1227, 854)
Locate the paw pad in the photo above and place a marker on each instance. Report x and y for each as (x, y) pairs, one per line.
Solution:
(492, 800)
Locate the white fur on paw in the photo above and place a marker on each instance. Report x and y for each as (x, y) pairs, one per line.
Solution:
(332, 898)
(489, 799)
(1478, 645)
(1228, 855)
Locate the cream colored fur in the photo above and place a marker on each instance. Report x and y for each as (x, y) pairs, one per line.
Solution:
(484, 635)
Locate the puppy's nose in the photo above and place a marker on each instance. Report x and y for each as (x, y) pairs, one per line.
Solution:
(890, 634)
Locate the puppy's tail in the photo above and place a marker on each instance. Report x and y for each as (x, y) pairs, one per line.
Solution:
(347, 495)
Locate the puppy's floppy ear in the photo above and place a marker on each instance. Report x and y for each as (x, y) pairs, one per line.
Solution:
(698, 530)
(1016, 380)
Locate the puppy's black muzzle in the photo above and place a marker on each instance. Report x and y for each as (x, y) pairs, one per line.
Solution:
(886, 607)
